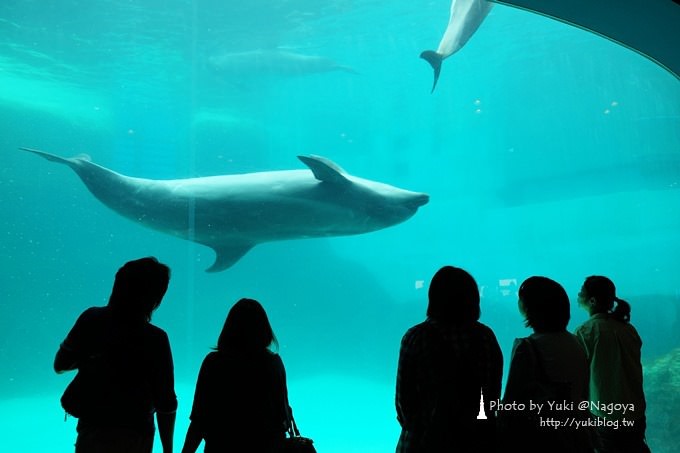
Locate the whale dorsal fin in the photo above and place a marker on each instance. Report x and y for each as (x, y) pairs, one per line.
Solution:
(227, 255)
(325, 169)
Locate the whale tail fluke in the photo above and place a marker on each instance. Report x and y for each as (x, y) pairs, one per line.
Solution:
(54, 158)
(435, 61)
(46, 155)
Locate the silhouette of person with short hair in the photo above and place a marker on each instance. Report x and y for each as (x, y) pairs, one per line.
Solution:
(445, 364)
(241, 397)
(613, 348)
(548, 367)
(125, 369)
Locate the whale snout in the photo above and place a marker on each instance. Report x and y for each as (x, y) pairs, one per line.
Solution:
(418, 200)
(422, 199)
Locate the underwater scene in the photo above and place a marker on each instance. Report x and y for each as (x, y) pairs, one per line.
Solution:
(543, 150)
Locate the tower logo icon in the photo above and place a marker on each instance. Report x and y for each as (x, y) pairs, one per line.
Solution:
(482, 414)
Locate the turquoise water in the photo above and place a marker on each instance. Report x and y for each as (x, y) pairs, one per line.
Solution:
(545, 150)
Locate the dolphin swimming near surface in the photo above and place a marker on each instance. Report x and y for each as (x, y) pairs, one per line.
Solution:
(273, 62)
(233, 213)
(466, 17)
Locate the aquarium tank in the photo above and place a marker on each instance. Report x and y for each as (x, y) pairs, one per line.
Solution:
(545, 149)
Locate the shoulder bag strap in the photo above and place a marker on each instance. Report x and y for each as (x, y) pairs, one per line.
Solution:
(287, 410)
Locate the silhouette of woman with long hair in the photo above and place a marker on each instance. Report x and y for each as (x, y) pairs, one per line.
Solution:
(240, 400)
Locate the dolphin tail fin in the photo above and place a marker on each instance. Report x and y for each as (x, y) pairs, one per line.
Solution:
(435, 61)
(227, 255)
(46, 155)
(55, 158)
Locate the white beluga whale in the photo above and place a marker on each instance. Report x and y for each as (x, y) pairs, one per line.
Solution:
(233, 213)
(273, 62)
(466, 17)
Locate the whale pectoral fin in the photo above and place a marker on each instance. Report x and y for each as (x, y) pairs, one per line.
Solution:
(227, 255)
(435, 61)
(325, 169)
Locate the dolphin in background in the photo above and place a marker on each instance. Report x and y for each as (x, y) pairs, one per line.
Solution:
(273, 62)
(466, 17)
(233, 213)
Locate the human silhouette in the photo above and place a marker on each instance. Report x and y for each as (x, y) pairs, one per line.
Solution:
(240, 400)
(446, 364)
(613, 348)
(549, 368)
(125, 369)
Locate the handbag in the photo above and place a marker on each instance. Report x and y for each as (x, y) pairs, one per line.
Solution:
(80, 396)
(73, 399)
(295, 443)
